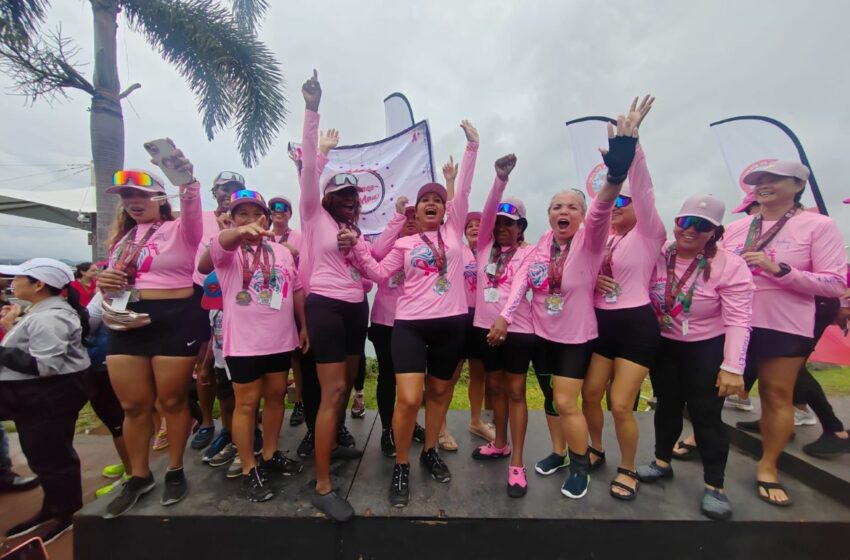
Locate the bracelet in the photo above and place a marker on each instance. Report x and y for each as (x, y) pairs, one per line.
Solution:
(617, 180)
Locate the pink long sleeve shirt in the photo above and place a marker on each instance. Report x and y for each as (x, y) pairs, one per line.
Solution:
(486, 312)
(812, 246)
(389, 290)
(257, 329)
(633, 255)
(210, 230)
(167, 260)
(576, 323)
(419, 298)
(331, 272)
(720, 306)
(470, 275)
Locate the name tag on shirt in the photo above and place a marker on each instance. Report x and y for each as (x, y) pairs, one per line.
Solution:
(277, 299)
(491, 295)
(490, 269)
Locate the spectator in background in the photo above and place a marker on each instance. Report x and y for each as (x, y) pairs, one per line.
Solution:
(85, 283)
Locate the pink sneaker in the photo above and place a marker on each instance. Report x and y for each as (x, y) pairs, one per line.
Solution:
(517, 483)
(490, 451)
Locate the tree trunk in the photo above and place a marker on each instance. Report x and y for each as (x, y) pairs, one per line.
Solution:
(106, 119)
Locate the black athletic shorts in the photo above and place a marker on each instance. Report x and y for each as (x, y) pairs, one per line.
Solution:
(337, 328)
(246, 369)
(432, 346)
(512, 356)
(631, 334)
(204, 314)
(471, 350)
(178, 327)
(223, 384)
(768, 343)
(563, 360)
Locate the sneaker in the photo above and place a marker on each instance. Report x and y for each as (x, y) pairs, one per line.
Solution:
(176, 487)
(104, 490)
(333, 506)
(435, 465)
(734, 401)
(297, 418)
(283, 465)
(135, 488)
(54, 528)
(358, 407)
(551, 464)
(308, 443)
(223, 457)
(517, 483)
(255, 488)
(11, 481)
(113, 471)
(235, 468)
(400, 486)
(28, 526)
(804, 417)
(654, 472)
(490, 451)
(161, 440)
(344, 437)
(203, 437)
(575, 486)
(418, 433)
(826, 445)
(715, 505)
(258, 441)
(388, 443)
(221, 441)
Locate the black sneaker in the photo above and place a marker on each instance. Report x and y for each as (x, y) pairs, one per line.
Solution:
(297, 418)
(400, 486)
(418, 433)
(340, 453)
(176, 487)
(388, 443)
(826, 445)
(333, 506)
(344, 437)
(11, 481)
(54, 528)
(28, 526)
(256, 489)
(435, 465)
(281, 464)
(308, 443)
(258, 441)
(134, 489)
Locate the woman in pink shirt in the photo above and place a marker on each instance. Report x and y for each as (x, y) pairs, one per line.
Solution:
(561, 272)
(702, 296)
(260, 287)
(430, 321)
(794, 256)
(506, 354)
(150, 271)
(628, 330)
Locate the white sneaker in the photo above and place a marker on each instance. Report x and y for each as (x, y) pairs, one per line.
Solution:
(733, 401)
(804, 417)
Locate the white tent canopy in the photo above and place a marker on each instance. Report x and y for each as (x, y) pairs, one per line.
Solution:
(67, 207)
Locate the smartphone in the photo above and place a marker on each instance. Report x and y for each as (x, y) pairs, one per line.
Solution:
(162, 154)
(32, 549)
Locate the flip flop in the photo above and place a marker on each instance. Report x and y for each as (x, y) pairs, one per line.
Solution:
(447, 442)
(767, 487)
(483, 434)
(691, 452)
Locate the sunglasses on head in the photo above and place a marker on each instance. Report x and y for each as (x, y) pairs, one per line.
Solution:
(622, 201)
(508, 208)
(138, 178)
(230, 176)
(700, 224)
(341, 179)
(279, 207)
(246, 194)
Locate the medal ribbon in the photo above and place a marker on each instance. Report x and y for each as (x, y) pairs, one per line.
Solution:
(439, 256)
(557, 258)
(501, 261)
(285, 237)
(261, 254)
(127, 262)
(673, 286)
(606, 269)
(756, 241)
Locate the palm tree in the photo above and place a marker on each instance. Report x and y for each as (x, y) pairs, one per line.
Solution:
(234, 76)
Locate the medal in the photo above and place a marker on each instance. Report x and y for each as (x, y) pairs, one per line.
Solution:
(554, 304)
(264, 297)
(355, 274)
(243, 297)
(666, 322)
(491, 295)
(396, 279)
(442, 285)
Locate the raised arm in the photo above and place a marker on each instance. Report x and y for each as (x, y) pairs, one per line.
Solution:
(310, 201)
(456, 212)
(504, 166)
(450, 174)
(649, 223)
(191, 225)
(382, 245)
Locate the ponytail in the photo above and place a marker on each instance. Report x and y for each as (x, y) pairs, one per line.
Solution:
(710, 250)
(73, 298)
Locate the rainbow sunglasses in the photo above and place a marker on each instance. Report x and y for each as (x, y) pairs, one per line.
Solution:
(507, 208)
(246, 194)
(123, 178)
(622, 201)
(278, 206)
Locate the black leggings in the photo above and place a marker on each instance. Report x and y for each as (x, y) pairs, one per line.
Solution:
(103, 400)
(311, 391)
(381, 337)
(360, 381)
(685, 374)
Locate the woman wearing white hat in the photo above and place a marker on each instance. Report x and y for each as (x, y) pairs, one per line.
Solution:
(41, 359)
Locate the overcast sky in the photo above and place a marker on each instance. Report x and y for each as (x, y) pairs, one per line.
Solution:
(517, 70)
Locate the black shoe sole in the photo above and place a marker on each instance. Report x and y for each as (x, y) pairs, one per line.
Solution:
(265, 498)
(398, 503)
(517, 491)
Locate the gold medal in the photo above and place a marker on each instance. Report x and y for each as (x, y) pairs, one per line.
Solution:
(243, 297)
(442, 286)
(554, 304)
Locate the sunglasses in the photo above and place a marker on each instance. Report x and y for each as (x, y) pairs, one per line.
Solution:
(228, 176)
(246, 194)
(700, 224)
(279, 207)
(122, 178)
(622, 201)
(507, 208)
(341, 179)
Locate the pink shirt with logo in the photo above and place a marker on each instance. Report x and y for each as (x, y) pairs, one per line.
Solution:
(419, 298)
(576, 323)
(331, 273)
(211, 229)
(257, 329)
(812, 246)
(167, 260)
(722, 305)
(389, 290)
(633, 255)
(486, 312)
(470, 275)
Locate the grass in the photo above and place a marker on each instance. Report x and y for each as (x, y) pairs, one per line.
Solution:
(835, 382)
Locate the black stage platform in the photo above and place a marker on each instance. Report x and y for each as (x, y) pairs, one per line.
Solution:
(471, 517)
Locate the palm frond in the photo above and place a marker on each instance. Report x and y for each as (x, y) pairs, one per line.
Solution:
(20, 19)
(234, 76)
(249, 13)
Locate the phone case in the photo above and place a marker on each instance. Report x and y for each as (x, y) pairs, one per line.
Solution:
(162, 153)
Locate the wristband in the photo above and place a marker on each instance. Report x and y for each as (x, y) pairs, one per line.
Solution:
(618, 180)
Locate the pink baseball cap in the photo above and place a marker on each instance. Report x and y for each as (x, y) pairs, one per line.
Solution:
(472, 216)
(435, 188)
(847, 201)
(780, 168)
(704, 206)
(246, 196)
(512, 208)
(748, 201)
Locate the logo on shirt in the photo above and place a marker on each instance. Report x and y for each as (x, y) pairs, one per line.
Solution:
(538, 275)
(470, 276)
(422, 258)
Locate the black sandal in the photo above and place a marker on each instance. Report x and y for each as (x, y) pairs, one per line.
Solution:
(691, 452)
(599, 462)
(767, 487)
(632, 492)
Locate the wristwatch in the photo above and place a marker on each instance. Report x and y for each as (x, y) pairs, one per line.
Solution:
(783, 270)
